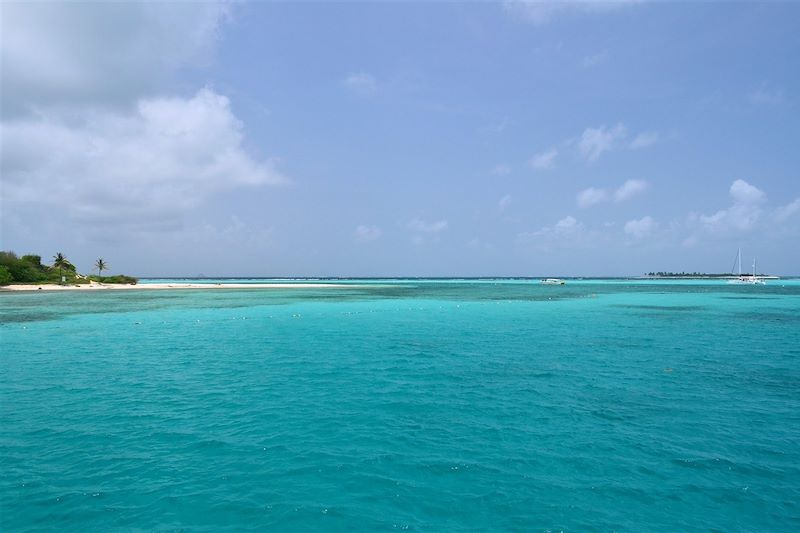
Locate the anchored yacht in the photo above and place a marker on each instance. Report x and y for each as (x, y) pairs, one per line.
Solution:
(745, 279)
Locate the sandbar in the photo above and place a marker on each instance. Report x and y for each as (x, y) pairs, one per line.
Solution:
(164, 286)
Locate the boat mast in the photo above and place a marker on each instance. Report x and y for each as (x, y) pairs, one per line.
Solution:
(740, 262)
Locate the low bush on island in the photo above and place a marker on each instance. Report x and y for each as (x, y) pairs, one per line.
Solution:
(5, 275)
(29, 269)
(120, 278)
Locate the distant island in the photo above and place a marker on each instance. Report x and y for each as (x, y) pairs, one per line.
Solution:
(29, 269)
(699, 275)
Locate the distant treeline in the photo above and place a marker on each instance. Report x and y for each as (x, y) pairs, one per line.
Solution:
(687, 275)
(30, 269)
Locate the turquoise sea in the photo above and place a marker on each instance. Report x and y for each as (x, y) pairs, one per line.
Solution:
(425, 405)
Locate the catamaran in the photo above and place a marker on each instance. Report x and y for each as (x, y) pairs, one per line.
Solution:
(745, 279)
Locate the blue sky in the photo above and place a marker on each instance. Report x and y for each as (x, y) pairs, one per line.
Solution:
(402, 138)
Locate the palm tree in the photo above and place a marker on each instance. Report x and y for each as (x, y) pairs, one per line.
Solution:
(100, 265)
(60, 262)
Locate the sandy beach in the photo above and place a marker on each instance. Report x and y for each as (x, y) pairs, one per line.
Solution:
(162, 286)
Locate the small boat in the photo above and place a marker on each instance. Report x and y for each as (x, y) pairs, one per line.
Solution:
(553, 281)
(745, 279)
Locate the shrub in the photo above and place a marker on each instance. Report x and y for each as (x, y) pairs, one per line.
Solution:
(119, 278)
(24, 272)
(34, 260)
(8, 258)
(20, 270)
(5, 275)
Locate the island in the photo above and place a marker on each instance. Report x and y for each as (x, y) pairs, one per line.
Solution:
(28, 273)
(700, 275)
(29, 270)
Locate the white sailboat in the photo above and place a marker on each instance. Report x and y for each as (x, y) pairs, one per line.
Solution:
(745, 279)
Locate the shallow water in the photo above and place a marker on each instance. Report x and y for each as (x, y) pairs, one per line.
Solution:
(419, 405)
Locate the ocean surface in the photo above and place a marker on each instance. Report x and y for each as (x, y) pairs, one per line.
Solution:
(422, 405)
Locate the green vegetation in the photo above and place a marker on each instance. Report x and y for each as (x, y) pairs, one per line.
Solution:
(29, 269)
(686, 275)
(692, 275)
(5, 275)
(119, 278)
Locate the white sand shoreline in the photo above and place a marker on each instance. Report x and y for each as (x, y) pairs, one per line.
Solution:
(162, 286)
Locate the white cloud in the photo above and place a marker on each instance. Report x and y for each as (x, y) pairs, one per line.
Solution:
(92, 148)
(766, 95)
(544, 160)
(641, 228)
(567, 226)
(504, 202)
(741, 215)
(543, 11)
(748, 212)
(368, 233)
(591, 196)
(501, 170)
(236, 231)
(786, 211)
(143, 168)
(479, 244)
(567, 223)
(595, 59)
(77, 53)
(499, 127)
(361, 82)
(595, 141)
(645, 139)
(629, 189)
(744, 193)
(568, 233)
(427, 227)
